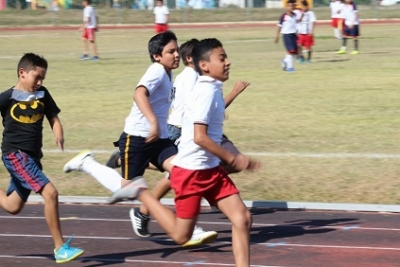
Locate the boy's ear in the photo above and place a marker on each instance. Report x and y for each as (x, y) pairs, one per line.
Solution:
(21, 72)
(203, 66)
(156, 57)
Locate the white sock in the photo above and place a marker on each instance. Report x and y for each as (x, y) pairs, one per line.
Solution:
(289, 61)
(336, 32)
(107, 177)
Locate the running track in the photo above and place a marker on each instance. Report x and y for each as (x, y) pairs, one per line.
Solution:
(285, 238)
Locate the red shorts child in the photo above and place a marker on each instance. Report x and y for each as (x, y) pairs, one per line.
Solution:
(305, 40)
(191, 186)
(337, 23)
(160, 28)
(88, 34)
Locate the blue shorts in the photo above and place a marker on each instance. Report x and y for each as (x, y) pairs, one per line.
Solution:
(351, 32)
(26, 174)
(174, 132)
(290, 41)
(136, 154)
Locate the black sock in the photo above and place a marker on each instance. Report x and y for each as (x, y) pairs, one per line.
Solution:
(344, 41)
(356, 44)
(309, 55)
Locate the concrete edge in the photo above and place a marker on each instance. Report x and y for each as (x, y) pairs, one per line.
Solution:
(249, 203)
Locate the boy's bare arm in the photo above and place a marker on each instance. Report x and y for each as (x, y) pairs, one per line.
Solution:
(58, 131)
(141, 97)
(237, 162)
(239, 87)
(278, 33)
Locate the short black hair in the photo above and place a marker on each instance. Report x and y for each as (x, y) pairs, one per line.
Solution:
(88, 1)
(291, 2)
(186, 50)
(158, 42)
(202, 51)
(304, 3)
(30, 61)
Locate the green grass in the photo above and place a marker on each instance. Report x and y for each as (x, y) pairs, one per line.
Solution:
(336, 104)
(126, 16)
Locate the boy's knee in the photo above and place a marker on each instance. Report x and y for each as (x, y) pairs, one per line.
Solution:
(244, 220)
(15, 210)
(49, 192)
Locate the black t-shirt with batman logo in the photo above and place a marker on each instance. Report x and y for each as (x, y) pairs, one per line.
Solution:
(23, 121)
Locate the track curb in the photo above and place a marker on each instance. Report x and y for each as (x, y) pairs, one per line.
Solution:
(283, 205)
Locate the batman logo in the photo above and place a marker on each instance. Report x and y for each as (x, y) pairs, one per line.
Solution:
(27, 112)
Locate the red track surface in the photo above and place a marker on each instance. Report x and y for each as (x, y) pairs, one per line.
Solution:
(279, 238)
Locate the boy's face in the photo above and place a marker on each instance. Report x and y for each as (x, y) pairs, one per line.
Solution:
(169, 56)
(84, 3)
(290, 7)
(159, 3)
(218, 65)
(33, 79)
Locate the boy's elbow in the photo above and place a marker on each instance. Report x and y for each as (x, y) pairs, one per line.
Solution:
(199, 140)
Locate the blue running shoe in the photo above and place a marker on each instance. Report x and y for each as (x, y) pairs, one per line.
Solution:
(95, 58)
(84, 57)
(300, 60)
(290, 70)
(66, 253)
(284, 65)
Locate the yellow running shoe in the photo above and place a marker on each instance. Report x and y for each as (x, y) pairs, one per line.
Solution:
(355, 52)
(341, 51)
(201, 237)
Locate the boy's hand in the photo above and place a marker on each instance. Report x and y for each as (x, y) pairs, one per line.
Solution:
(242, 163)
(60, 143)
(277, 39)
(154, 133)
(240, 86)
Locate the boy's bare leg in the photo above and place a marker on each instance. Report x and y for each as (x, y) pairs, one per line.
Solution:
(51, 213)
(12, 204)
(180, 230)
(94, 47)
(240, 217)
(85, 46)
(161, 189)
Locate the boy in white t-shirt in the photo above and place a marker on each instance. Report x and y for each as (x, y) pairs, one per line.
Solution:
(305, 32)
(197, 172)
(351, 26)
(89, 27)
(336, 7)
(161, 13)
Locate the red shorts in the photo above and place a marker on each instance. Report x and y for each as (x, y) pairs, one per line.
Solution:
(191, 186)
(337, 23)
(88, 34)
(161, 28)
(305, 40)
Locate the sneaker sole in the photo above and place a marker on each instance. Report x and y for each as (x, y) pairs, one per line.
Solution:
(129, 191)
(84, 152)
(112, 161)
(132, 215)
(72, 258)
(205, 240)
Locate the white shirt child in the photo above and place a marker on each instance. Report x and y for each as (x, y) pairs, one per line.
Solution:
(305, 26)
(161, 14)
(184, 84)
(88, 12)
(336, 9)
(160, 89)
(350, 14)
(205, 105)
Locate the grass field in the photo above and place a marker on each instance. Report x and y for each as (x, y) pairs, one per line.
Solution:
(341, 104)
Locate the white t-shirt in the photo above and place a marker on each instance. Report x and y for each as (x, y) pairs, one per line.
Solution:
(350, 13)
(306, 23)
(288, 23)
(161, 14)
(205, 105)
(161, 91)
(88, 12)
(184, 84)
(336, 9)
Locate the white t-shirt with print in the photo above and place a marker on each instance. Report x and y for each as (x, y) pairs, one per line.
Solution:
(350, 14)
(305, 26)
(161, 90)
(161, 13)
(184, 84)
(288, 23)
(205, 105)
(88, 12)
(336, 9)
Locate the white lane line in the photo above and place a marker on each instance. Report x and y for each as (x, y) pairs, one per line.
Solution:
(268, 244)
(352, 227)
(182, 263)
(269, 154)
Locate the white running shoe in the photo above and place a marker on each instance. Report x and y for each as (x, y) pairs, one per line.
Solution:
(75, 164)
(129, 191)
(201, 237)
